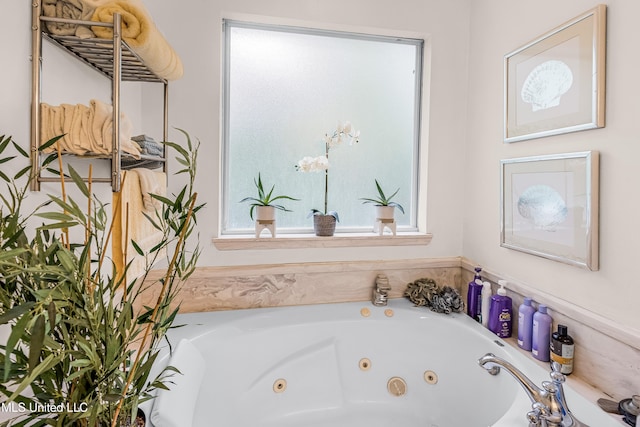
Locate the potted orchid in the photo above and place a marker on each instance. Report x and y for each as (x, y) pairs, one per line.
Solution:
(324, 221)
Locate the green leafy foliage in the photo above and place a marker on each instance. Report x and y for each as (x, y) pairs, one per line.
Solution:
(75, 329)
(382, 199)
(265, 198)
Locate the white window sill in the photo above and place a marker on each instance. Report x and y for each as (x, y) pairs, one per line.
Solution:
(339, 240)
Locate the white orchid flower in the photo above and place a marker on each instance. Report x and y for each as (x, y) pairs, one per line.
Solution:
(321, 163)
(313, 164)
(355, 138)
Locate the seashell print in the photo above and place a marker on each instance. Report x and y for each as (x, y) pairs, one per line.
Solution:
(545, 85)
(543, 206)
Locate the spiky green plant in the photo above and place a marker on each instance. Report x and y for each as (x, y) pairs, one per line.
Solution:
(382, 199)
(79, 352)
(265, 198)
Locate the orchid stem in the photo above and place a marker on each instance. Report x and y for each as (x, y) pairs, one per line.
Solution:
(326, 179)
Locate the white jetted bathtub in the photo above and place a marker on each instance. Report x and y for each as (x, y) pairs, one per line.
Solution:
(345, 365)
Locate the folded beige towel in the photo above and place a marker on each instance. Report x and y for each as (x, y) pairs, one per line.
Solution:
(102, 128)
(76, 129)
(69, 9)
(96, 115)
(88, 129)
(141, 34)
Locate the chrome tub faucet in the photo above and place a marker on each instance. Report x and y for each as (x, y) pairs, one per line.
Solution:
(381, 290)
(549, 406)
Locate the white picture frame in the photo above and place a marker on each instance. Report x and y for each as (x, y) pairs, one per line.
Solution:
(556, 83)
(549, 207)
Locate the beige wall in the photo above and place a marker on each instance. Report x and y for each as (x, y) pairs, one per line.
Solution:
(195, 103)
(498, 27)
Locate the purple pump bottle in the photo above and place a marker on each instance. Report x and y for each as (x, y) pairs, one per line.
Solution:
(501, 313)
(474, 296)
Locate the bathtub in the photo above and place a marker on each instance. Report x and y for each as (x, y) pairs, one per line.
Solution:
(355, 365)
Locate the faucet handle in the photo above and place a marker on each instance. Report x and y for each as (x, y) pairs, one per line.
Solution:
(545, 414)
(534, 418)
(540, 408)
(537, 417)
(550, 387)
(556, 374)
(382, 282)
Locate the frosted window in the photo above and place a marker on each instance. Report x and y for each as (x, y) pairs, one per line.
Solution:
(285, 88)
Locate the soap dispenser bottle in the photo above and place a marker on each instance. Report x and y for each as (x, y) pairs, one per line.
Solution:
(501, 312)
(540, 339)
(474, 296)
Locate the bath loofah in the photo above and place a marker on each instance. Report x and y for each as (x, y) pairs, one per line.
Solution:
(425, 292)
(421, 291)
(447, 301)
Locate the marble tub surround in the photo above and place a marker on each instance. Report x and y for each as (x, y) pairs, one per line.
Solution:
(607, 358)
(253, 286)
(607, 362)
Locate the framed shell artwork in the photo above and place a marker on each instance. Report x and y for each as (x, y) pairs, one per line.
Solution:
(556, 83)
(549, 207)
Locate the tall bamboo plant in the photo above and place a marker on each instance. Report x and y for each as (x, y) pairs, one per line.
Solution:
(80, 350)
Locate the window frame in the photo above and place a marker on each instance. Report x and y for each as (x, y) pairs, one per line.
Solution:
(417, 221)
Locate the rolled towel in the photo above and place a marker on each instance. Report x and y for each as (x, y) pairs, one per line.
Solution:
(69, 9)
(141, 34)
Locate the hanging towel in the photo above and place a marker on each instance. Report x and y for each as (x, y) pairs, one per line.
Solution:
(131, 224)
(150, 183)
